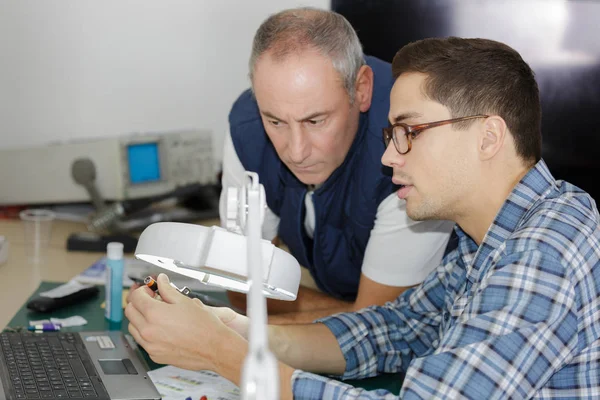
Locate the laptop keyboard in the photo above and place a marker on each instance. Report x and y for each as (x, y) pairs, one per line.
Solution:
(49, 365)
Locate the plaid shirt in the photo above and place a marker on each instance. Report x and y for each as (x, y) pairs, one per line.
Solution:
(516, 317)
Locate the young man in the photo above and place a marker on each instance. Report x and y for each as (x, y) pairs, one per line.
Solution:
(511, 313)
(311, 128)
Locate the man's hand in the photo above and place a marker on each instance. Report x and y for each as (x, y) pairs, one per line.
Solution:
(239, 323)
(184, 332)
(134, 286)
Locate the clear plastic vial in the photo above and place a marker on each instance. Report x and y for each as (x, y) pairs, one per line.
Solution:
(115, 265)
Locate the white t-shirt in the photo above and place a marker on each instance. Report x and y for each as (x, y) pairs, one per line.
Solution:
(400, 251)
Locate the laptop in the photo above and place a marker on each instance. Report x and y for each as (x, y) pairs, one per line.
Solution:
(73, 365)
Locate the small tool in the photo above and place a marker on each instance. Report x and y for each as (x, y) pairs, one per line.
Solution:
(152, 284)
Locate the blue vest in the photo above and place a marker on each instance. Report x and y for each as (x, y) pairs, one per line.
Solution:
(345, 205)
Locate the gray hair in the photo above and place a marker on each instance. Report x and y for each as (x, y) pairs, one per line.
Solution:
(295, 30)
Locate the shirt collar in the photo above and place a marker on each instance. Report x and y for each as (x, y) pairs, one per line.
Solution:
(532, 188)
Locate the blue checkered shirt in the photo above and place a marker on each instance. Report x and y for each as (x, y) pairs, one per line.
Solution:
(516, 317)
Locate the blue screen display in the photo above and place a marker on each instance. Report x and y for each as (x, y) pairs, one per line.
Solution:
(144, 164)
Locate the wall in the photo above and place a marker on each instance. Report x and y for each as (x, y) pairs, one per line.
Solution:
(77, 69)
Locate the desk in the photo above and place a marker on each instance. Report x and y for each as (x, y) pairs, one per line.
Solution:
(89, 309)
(21, 280)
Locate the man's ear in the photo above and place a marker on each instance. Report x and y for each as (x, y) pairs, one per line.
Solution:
(364, 88)
(492, 136)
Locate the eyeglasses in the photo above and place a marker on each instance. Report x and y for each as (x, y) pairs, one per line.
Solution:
(402, 134)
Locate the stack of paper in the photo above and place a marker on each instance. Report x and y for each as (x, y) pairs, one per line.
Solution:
(179, 384)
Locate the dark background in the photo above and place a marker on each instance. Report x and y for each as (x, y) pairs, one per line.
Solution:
(559, 39)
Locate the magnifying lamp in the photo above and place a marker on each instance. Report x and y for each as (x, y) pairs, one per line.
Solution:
(232, 259)
(217, 257)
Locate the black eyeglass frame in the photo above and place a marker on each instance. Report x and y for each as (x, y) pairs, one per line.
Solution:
(411, 131)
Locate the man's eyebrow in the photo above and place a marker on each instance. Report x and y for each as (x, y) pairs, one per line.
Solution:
(401, 117)
(306, 118)
(269, 115)
(314, 115)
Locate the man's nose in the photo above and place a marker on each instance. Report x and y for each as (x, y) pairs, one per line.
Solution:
(391, 157)
(299, 146)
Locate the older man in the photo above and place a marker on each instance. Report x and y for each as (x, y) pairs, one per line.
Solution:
(311, 128)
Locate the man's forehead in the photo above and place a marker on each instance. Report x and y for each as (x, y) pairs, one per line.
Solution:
(308, 63)
(300, 87)
(305, 56)
(409, 100)
(406, 94)
(409, 85)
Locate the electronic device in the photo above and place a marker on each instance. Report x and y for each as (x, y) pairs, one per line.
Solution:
(113, 218)
(72, 365)
(44, 304)
(121, 168)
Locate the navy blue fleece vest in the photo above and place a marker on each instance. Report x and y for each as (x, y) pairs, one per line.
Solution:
(345, 205)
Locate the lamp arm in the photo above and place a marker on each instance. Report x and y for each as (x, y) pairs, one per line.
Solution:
(260, 377)
(256, 308)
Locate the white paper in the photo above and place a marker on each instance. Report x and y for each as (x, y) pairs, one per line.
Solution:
(65, 289)
(75, 320)
(178, 384)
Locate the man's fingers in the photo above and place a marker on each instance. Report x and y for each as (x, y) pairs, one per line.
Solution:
(134, 316)
(132, 289)
(167, 292)
(198, 302)
(136, 336)
(225, 314)
(140, 312)
(144, 300)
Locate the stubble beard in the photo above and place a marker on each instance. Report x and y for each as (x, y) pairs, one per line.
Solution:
(424, 211)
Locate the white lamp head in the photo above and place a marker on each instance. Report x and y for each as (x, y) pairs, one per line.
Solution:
(217, 257)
